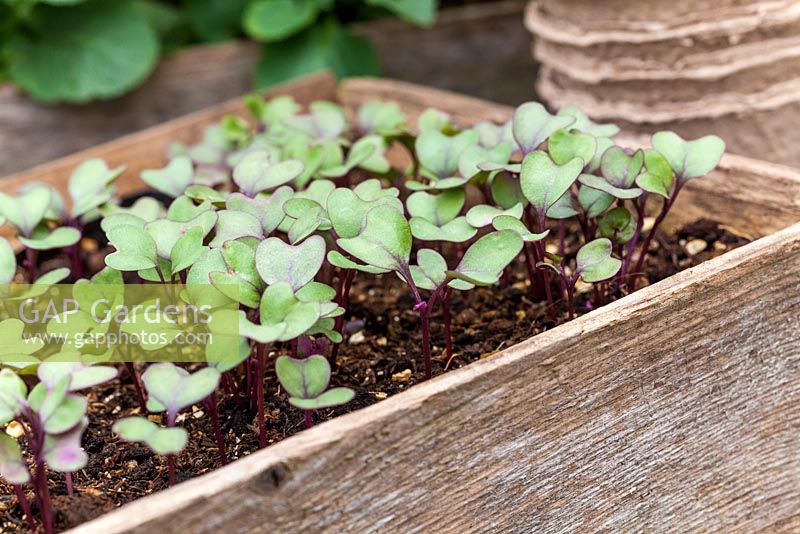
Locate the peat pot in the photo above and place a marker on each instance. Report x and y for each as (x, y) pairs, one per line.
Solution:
(674, 408)
(726, 66)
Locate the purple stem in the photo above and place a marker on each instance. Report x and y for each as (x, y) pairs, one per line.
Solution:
(229, 386)
(211, 406)
(626, 262)
(343, 294)
(68, 481)
(74, 253)
(539, 248)
(262, 424)
(308, 419)
(551, 308)
(137, 385)
(544, 277)
(529, 267)
(26, 506)
(173, 478)
(248, 380)
(36, 443)
(659, 219)
(421, 307)
(75, 261)
(568, 286)
(30, 262)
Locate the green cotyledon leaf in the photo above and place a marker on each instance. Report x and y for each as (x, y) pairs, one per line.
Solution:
(384, 241)
(595, 263)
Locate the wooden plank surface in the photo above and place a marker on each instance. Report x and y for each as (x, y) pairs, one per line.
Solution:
(676, 408)
(736, 193)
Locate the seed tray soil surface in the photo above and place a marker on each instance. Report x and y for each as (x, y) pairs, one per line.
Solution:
(380, 357)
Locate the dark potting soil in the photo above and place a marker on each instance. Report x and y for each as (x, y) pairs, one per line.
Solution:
(381, 356)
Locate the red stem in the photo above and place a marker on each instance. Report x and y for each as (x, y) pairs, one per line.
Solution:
(68, 481)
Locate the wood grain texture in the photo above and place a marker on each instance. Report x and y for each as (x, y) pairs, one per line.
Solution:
(755, 197)
(676, 408)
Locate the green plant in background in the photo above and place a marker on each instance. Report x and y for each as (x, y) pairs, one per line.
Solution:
(82, 50)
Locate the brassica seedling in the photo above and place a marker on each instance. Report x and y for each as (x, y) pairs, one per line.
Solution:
(170, 389)
(306, 381)
(481, 265)
(54, 419)
(593, 263)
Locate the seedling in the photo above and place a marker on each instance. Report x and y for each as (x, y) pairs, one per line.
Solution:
(438, 155)
(173, 179)
(435, 217)
(39, 215)
(593, 263)
(532, 125)
(54, 419)
(170, 389)
(481, 265)
(306, 381)
(383, 118)
(687, 160)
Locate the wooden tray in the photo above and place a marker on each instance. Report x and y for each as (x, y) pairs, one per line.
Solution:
(675, 408)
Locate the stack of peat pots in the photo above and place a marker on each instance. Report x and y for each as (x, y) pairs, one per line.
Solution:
(731, 67)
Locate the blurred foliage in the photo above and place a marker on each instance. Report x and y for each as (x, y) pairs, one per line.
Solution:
(81, 50)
